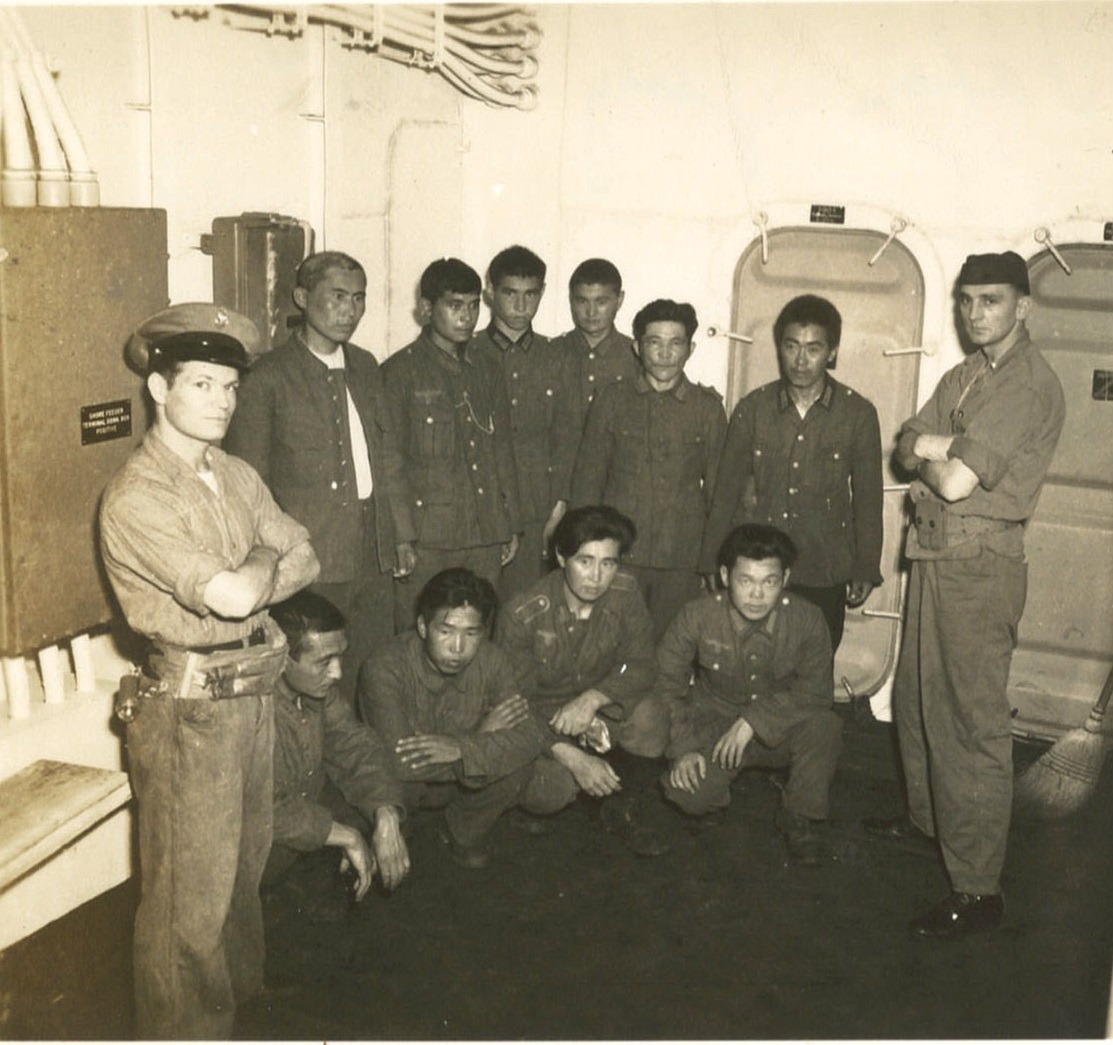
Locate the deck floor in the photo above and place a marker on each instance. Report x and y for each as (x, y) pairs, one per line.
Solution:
(570, 936)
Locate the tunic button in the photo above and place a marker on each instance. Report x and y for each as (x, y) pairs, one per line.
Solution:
(513, 402)
(836, 455)
(471, 443)
(419, 502)
(548, 391)
(591, 377)
(333, 484)
(784, 514)
(428, 420)
(753, 696)
(800, 437)
(475, 468)
(591, 355)
(715, 666)
(795, 464)
(792, 490)
(479, 489)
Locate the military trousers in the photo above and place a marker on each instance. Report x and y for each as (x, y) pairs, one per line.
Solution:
(810, 751)
(201, 771)
(951, 709)
(367, 601)
(470, 811)
(645, 732)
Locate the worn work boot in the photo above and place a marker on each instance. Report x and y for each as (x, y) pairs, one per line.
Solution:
(473, 857)
(625, 816)
(960, 914)
(805, 839)
(529, 824)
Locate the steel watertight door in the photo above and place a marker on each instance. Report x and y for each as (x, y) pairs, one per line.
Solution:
(1065, 639)
(881, 299)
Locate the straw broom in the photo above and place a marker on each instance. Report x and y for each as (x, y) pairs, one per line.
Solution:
(1061, 780)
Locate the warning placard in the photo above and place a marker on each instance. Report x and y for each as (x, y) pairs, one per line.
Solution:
(101, 422)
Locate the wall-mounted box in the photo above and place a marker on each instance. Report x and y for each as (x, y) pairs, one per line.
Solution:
(74, 282)
(255, 256)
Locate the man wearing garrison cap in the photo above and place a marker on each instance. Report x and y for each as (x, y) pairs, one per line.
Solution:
(196, 549)
(979, 450)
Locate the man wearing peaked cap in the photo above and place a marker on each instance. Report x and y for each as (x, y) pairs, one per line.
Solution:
(978, 450)
(193, 331)
(196, 549)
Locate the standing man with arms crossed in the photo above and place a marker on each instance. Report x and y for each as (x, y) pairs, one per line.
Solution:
(544, 416)
(804, 454)
(980, 449)
(312, 422)
(449, 406)
(196, 549)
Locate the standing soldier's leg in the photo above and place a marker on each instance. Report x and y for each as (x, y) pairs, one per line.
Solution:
(977, 605)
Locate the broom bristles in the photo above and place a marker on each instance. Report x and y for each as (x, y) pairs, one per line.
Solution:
(1061, 780)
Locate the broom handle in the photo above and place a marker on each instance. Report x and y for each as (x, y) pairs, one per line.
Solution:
(1097, 712)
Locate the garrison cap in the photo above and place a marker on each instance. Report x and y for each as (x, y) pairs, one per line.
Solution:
(981, 269)
(195, 330)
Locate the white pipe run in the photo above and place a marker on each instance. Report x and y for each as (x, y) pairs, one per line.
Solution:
(483, 52)
(63, 175)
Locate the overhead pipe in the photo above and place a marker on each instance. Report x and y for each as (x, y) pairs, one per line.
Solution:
(17, 177)
(63, 174)
(483, 51)
(53, 190)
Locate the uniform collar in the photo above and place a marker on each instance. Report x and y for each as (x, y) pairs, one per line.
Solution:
(784, 400)
(502, 341)
(680, 391)
(1019, 341)
(450, 363)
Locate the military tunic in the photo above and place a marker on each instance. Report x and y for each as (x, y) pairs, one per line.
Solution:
(654, 457)
(545, 420)
(774, 673)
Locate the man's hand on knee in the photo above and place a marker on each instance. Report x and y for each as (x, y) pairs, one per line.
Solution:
(731, 746)
(688, 771)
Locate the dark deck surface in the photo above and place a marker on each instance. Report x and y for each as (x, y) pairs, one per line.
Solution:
(570, 936)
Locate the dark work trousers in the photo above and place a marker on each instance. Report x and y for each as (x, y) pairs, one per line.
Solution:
(811, 752)
(952, 711)
(201, 771)
(470, 812)
(367, 601)
(483, 561)
(832, 602)
(645, 733)
(666, 592)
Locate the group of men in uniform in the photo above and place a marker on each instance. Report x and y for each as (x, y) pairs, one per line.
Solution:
(383, 513)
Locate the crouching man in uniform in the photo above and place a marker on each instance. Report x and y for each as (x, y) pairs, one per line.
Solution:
(333, 778)
(761, 694)
(583, 639)
(445, 701)
(196, 549)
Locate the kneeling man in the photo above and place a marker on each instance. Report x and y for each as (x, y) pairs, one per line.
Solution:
(583, 639)
(333, 778)
(761, 694)
(445, 701)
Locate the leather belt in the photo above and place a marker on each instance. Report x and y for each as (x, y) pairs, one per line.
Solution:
(257, 637)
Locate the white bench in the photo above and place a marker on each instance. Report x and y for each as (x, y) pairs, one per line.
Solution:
(46, 805)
